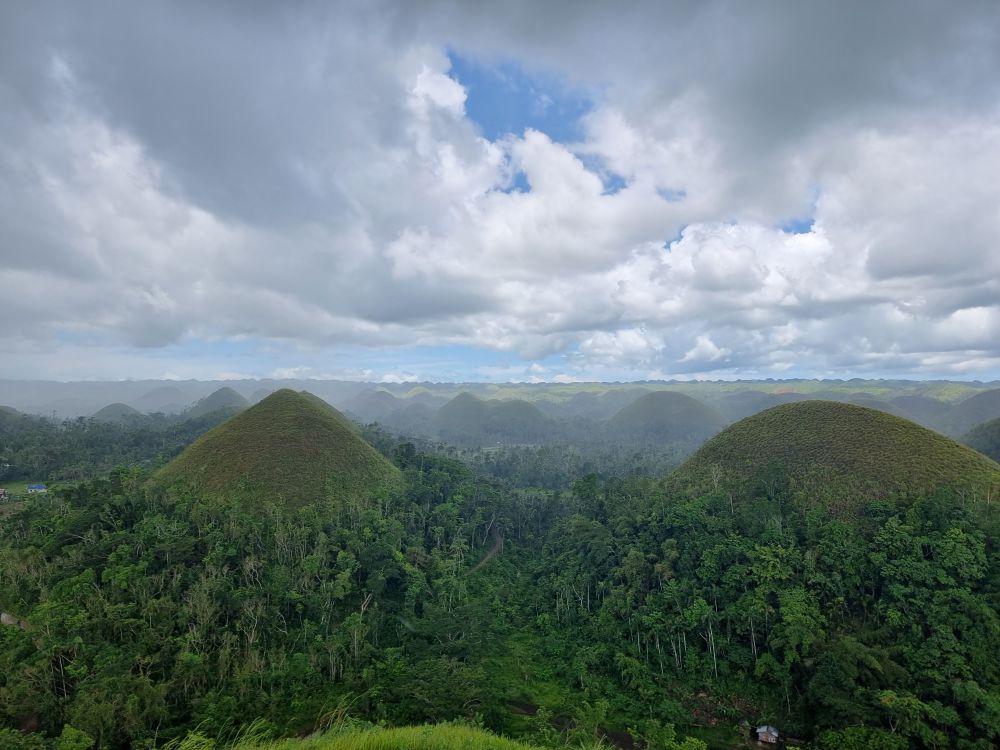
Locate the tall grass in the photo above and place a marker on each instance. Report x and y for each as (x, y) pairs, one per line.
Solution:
(357, 737)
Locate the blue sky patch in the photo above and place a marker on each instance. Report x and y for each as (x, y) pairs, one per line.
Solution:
(801, 225)
(611, 181)
(519, 184)
(504, 98)
(671, 195)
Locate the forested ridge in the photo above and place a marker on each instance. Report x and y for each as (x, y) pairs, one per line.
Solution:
(624, 607)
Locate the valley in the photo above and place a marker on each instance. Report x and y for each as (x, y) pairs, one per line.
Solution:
(819, 566)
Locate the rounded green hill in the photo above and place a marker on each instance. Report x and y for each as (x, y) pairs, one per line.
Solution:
(117, 412)
(667, 416)
(224, 398)
(866, 450)
(469, 419)
(291, 448)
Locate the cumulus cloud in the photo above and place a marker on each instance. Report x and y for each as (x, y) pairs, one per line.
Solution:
(810, 191)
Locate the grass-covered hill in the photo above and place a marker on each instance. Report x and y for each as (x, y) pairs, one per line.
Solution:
(985, 438)
(224, 398)
(973, 411)
(870, 450)
(373, 405)
(291, 447)
(167, 399)
(117, 412)
(468, 419)
(598, 405)
(924, 409)
(735, 406)
(871, 402)
(665, 416)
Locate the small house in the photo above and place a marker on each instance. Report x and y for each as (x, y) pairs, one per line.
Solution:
(4, 497)
(37, 488)
(767, 734)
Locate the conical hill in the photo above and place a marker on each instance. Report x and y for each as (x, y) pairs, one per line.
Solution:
(117, 412)
(224, 398)
(291, 448)
(666, 416)
(855, 447)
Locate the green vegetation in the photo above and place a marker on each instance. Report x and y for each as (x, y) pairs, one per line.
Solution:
(972, 411)
(819, 566)
(117, 412)
(868, 452)
(468, 420)
(435, 737)
(290, 447)
(986, 439)
(224, 399)
(42, 449)
(923, 409)
(666, 417)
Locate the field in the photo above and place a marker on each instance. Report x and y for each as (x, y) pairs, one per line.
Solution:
(437, 737)
(20, 488)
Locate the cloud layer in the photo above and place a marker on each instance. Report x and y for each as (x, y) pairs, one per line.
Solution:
(805, 191)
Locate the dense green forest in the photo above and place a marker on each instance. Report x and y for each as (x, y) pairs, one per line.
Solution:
(624, 609)
(43, 448)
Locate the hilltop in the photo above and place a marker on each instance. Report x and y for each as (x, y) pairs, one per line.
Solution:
(291, 446)
(666, 416)
(166, 399)
(469, 419)
(866, 448)
(224, 398)
(117, 412)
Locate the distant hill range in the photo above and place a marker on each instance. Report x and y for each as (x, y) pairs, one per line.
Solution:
(972, 411)
(292, 448)
(469, 420)
(985, 438)
(224, 399)
(864, 450)
(167, 399)
(540, 413)
(667, 417)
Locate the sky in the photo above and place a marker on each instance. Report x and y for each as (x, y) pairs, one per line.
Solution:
(513, 191)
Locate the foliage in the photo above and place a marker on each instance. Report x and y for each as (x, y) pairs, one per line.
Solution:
(665, 416)
(428, 737)
(290, 447)
(867, 452)
(986, 439)
(39, 448)
(624, 607)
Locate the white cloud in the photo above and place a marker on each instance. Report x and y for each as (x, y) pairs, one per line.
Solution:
(313, 180)
(704, 351)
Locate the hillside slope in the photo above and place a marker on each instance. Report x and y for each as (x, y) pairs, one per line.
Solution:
(666, 416)
(985, 438)
(865, 448)
(973, 411)
(468, 419)
(224, 398)
(291, 447)
(117, 412)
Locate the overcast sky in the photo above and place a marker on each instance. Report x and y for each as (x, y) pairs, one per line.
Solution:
(499, 191)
